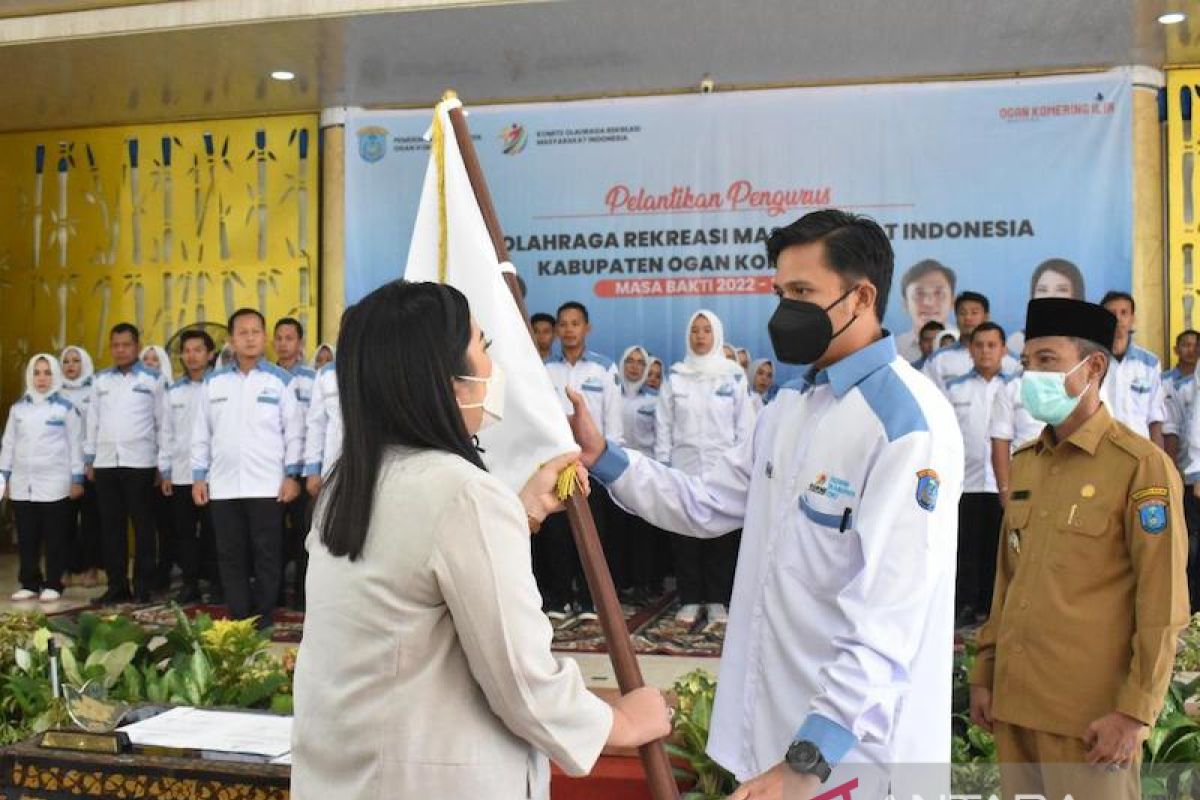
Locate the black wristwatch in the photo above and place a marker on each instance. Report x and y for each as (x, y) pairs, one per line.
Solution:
(805, 758)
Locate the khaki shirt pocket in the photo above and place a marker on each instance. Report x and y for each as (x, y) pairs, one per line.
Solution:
(1086, 542)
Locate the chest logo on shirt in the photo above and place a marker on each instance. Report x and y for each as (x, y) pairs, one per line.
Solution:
(927, 489)
(592, 385)
(1141, 387)
(725, 391)
(831, 487)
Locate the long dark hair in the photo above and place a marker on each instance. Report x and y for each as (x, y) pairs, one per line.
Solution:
(399, 350)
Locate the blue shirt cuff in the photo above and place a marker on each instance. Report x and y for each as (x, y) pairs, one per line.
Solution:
(89, 460)
(199, 474)
(294, 470)
(612, 463)
(312, 469)
(77, 478)
(831, 739)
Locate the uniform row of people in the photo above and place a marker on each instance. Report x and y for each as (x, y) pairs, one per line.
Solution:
(687, 416)
(207, 467)
(982, 380)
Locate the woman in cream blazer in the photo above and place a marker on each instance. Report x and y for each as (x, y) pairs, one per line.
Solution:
(425, 670)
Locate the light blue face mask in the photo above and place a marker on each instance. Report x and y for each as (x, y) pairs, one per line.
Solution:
(1045, 397)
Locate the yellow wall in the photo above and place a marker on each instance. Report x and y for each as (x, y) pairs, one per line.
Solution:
(94, 241)
(1183, 223)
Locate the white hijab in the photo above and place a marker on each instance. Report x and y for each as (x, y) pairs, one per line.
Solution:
(714, 361)
(753, 371)
(631, 388)
(56, 377)
(651, 362)
(86, 367)
(324, 346)
(164, 361)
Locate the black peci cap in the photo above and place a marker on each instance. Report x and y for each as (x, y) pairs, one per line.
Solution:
(1062, 316)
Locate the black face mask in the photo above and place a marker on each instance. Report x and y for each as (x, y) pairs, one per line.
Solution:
(801, 331)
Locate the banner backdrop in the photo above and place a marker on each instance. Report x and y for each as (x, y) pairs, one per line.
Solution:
(648, 209)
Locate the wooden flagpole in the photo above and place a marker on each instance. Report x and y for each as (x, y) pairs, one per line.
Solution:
(583, 527)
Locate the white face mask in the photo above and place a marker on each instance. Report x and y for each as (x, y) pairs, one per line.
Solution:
(493, 396)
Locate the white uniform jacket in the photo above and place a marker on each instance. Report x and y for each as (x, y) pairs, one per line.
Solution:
(841, 625)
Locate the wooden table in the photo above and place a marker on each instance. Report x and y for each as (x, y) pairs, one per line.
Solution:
(29, 772)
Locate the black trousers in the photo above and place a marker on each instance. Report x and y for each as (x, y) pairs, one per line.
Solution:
(641, 551)
(86, 539)
(1191, 513)
(704, 568)
(979, 519)
(164, 526)
(557, 567)
(297, 517)
(194, 546)
(127, 493)
(43, 525)
(249, 545)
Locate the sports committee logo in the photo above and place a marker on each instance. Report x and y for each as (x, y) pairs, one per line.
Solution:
(372, 143)
(513, 139)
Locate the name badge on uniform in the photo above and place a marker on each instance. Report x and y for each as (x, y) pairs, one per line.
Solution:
(592, 385)
(143, 390)
(268, 398)
(725, 391)
(56, 421)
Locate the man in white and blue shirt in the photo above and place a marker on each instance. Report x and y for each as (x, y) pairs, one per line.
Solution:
(124, 429)
(289, 354)
(195, 543)
(246, 459)
(970, 309)
(973, 397)
(1133, 389)
(560, 577)
(843, 605)
(1179, 398)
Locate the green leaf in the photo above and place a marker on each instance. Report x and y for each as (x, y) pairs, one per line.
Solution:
(116, 660)
(71, 667)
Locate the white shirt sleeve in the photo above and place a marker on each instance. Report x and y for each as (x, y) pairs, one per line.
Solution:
(744, 415)
(201, 438)
(315, 422)
(614, 425)
(1158, 411)
(74, 426)
(675, 501)
(91, 424)
(166, 442)
(7, 443)
(1001, 423)
(664, 423)
(293, 430)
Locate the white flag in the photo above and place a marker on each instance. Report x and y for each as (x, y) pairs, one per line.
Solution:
(534, 428)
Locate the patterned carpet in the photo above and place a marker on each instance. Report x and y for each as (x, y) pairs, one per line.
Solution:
(654, 631)
(652, 626)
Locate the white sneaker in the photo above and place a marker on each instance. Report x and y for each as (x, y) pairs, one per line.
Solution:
(688, 614)
(23, 594)
(717, 614)
(49, 596)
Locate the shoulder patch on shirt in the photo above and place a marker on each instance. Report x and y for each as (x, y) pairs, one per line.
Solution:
(927, 489)
(1150, 491)
(1153, 516)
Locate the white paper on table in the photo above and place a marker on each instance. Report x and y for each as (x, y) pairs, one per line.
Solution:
(188, 728)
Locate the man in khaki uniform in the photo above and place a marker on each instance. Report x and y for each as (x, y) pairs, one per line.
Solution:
(1091, 590)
